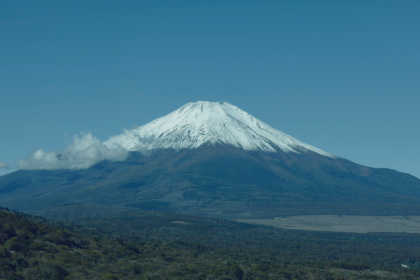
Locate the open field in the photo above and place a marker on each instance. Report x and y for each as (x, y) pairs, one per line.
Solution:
(344, 223)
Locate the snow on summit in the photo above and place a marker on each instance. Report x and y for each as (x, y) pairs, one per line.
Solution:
(195, 124)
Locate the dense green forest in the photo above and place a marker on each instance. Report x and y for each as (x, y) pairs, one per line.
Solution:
(154, 245)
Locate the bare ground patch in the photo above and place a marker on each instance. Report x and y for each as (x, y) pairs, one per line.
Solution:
(344, 223)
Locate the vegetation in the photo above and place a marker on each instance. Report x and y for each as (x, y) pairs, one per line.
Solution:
(152, 245)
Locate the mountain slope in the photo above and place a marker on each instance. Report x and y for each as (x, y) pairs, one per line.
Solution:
(221, 181)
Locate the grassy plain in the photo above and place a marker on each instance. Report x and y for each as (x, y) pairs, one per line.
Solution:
(343, 223)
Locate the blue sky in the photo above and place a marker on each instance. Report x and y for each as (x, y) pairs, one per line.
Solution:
(343, 76)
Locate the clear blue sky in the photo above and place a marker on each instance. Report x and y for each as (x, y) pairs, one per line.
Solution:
(343, 76)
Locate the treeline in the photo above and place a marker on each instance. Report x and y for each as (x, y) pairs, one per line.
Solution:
(32, 248)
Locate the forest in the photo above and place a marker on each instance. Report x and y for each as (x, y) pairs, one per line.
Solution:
(157, 245)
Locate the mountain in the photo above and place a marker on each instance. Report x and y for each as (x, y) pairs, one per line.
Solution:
(213, 159)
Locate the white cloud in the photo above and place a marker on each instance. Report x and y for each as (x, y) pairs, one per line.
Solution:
(83, 153)
(3, 165)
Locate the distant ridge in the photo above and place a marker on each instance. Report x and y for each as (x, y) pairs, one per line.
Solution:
(199, 123)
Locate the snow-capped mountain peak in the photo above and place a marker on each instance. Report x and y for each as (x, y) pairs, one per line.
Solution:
(195, 124)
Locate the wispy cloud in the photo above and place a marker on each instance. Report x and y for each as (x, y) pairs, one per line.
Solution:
(82, 153)
(3, 165)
